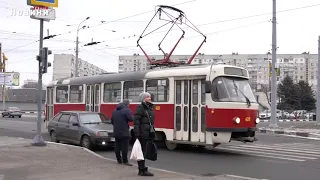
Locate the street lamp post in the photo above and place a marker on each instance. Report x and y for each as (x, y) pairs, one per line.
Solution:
(77, 47)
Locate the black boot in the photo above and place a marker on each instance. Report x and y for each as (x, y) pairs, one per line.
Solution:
(145, 172)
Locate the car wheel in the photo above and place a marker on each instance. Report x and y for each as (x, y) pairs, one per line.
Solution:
(86, 142)
(53, 137)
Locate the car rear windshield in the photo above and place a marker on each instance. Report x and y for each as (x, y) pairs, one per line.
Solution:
(92, 118)
(14, 109)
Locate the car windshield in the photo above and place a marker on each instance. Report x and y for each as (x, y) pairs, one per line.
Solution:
(92, 118)
(232, 89)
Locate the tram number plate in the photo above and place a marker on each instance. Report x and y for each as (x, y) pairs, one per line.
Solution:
(248, 119)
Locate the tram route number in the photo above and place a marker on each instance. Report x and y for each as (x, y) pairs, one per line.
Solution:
(248, 119)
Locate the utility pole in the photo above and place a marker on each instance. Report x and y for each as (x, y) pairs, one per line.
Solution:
(3, 100)
(273, 120)
(38, 140)
(77, 48)
(4, 83)
(318, 86)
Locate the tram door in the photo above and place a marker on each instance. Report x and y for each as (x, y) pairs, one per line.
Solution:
(49, 103)
(190, 111)
(93, 98)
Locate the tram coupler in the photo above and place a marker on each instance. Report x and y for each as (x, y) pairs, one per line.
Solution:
(246, 139)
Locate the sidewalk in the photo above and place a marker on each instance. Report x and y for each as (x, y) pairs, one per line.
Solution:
(20, 161)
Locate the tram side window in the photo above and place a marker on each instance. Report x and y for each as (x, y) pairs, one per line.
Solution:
(112, 92)
(132, 90)
(76, 94)
(62, 94)
(159, 89)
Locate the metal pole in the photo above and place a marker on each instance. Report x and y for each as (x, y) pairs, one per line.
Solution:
(318, 86)
(4, 85)
(38, 140)
(77, 60)
(273, 120)
(4, 79)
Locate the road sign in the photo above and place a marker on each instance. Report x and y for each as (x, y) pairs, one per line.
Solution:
(47, 3)
(10, 78)
(45, 14)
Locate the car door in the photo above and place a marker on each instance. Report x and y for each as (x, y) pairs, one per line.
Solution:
(63, 127)
(73, 131)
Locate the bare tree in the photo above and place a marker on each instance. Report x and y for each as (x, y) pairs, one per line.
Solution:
(265, 90)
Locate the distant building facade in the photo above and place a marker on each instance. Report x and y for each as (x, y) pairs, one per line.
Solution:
(27, 95)
(64, 66)
(297, 66)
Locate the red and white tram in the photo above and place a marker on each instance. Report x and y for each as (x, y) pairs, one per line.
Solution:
(196, 105)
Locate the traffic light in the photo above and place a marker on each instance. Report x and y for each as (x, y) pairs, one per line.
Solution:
(44, 59)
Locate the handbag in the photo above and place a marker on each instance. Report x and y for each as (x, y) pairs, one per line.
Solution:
(151, 130)
(151, 151)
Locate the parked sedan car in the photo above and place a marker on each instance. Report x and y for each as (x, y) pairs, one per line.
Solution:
(88, 129)
(11, 112)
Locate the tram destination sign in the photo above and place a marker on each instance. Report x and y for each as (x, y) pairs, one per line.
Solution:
(235, 71)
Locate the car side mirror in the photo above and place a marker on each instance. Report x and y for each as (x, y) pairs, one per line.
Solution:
(208, 87)
(75, 124)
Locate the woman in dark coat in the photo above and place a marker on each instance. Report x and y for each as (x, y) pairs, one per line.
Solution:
(142, 128)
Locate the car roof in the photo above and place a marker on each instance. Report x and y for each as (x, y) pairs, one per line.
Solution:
(80, 112)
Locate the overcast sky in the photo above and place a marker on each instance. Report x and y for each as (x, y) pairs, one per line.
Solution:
(298, 30)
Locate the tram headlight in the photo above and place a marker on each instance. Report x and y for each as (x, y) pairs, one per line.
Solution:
(257, 121)
(236, 120)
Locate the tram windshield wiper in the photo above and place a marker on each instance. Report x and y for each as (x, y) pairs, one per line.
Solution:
(237, 89)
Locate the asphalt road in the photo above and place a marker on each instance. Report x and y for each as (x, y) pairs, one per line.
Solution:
(272, 157)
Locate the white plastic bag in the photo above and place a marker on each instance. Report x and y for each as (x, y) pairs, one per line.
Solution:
(136, 153)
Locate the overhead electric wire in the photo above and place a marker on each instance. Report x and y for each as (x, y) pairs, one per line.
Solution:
(227, 20)
(123, 47)
(127, 17)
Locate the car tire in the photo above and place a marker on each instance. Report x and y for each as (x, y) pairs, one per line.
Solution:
(19, 116)
(86, 142)
(53, 137)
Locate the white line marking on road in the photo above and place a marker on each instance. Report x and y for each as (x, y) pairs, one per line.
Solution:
(301, 137)
(261, 155)
(279, 149)
(243, 177)
(299, 146)
(279, 153)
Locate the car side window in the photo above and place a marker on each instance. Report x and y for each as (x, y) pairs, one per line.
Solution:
(56, 118)
(73, 119)
(64, 118)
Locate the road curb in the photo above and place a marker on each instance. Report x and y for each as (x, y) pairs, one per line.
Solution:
(290, 120)
(28, 112)
(288, 132)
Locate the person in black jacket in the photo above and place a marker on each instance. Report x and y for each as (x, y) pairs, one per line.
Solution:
(120, 118)
(142, 128)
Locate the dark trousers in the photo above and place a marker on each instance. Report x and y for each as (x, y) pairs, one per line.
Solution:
(121, 147)
(141, 164)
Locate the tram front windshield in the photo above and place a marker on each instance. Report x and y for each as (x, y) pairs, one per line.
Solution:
(232, 89)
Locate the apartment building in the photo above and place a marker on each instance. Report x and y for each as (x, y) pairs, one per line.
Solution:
(298, 66)
(64, 66)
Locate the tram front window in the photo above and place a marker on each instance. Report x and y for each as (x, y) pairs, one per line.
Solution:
(232, 89)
